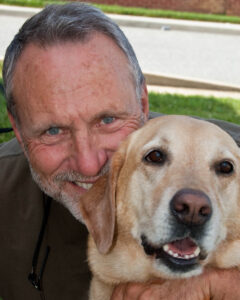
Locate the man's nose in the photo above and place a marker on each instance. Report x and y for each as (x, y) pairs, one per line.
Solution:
(88, 155)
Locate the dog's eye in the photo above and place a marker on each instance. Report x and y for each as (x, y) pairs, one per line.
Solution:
(225, 167)
(156, 156)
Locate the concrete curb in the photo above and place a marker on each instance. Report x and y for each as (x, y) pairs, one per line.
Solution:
(193, 92)
(172, 24)
(162, 24)
(158, 79)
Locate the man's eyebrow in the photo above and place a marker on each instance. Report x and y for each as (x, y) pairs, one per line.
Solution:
(110, 113)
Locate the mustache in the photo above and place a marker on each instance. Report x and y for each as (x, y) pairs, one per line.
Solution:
(76, 176)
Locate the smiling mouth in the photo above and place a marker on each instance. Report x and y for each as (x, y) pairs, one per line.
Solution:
(83, 185)
(182, 255)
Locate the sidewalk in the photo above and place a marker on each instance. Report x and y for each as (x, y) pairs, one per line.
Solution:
(144, 22)
(159, 79)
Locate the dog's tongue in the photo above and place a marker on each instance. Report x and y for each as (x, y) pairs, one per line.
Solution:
(183, 247)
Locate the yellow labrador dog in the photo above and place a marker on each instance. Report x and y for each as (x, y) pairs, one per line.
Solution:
(169, 206)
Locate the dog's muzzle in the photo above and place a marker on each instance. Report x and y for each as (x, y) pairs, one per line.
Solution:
(190, 211)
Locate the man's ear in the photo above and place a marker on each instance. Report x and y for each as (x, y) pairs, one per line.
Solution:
(97, 206)
(145, 101)
(15, 128)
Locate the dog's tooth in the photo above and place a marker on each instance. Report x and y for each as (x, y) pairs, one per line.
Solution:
(176, 255)
(197, 251)
(165, 248)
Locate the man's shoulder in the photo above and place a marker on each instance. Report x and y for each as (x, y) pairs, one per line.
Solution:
(14, 165)
(10, 149)
(154, 114)
(231, 128)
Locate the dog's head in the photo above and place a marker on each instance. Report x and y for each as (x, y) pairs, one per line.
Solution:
(176, 185)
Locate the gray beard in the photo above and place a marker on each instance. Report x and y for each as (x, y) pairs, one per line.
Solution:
(57, 193)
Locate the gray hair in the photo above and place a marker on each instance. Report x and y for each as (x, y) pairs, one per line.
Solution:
(59, 23)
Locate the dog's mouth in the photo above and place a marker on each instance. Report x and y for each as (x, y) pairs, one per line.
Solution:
(181, 255)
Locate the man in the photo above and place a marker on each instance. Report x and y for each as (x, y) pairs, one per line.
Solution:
(74, 91)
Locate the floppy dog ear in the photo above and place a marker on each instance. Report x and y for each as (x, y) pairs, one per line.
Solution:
(97, 206)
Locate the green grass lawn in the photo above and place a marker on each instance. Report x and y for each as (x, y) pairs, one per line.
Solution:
(206, 107)
(4, 122)
(116, 9)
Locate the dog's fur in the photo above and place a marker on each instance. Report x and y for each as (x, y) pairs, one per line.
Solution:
(134, 200)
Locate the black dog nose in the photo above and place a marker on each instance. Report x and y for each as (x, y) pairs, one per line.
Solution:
(191, 207)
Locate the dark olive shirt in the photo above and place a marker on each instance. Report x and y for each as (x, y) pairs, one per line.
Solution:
(66, 275)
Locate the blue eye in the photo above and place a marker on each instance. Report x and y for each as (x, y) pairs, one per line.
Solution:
(53, 131)
(108, 120)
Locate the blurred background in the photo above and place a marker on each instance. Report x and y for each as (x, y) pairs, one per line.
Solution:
(188, 51)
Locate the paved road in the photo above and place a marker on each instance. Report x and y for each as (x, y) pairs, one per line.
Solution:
(9, 26)
(204, 56)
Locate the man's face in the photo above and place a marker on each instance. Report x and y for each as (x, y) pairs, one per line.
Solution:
(75, 103)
